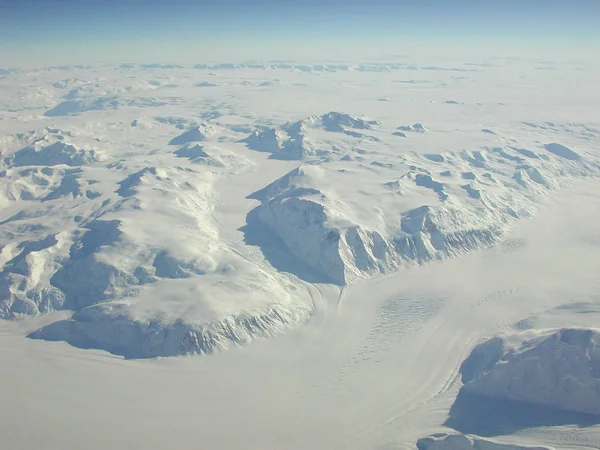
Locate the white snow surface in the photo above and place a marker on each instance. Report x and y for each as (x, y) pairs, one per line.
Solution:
(445, 441)
(338, 256)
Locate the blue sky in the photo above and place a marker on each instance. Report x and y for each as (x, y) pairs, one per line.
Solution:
(65, 31)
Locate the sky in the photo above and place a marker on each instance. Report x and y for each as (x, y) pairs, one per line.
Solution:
(37, 32)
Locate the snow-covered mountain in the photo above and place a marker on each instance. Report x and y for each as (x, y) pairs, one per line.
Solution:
(194, 134)
(133, 252)
(45, 153)
(113, 225)
(294, 141)
(557, 368)
(362, 225)
(469, 200)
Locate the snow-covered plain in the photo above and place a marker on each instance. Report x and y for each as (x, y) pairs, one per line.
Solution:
(335, 239)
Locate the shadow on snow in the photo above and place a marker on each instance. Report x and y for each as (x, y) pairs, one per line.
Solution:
(489, 417)
(277, 253)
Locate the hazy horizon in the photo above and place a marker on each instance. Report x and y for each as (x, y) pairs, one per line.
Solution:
(51, 32)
